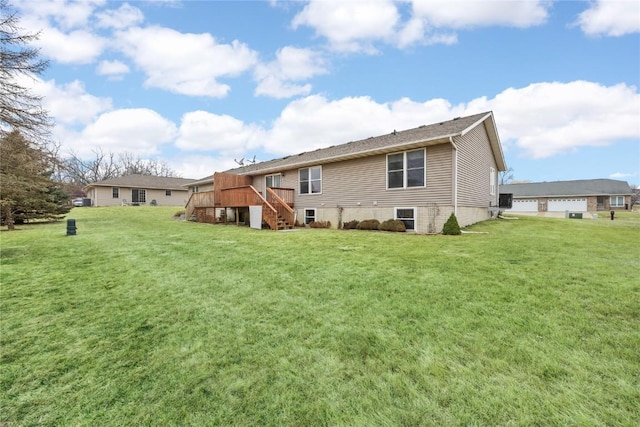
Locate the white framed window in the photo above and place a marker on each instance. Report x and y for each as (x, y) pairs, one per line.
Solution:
(617, 201)
(311, 180)
(406, 215)
(115, 193)
(273, 180)
(138, 195)
(167, 193)
(195, 189)
(492, 181)
(406, 169)
(309, 216)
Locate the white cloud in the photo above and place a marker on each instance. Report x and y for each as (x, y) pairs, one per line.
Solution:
(69, 103)
(350, 25)
(204, 131)
(316, 122)
(197, 167)
(481, 13)
(291, 65)
(66, 14)
(74, 47)
(611, 18)
(547, 119)
(622, 176)
(188, 64)
(357, 25)
(123, 17)
(114, 69)
(137, 130)
(540, 120)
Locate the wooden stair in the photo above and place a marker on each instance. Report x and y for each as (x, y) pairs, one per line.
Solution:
(283, 224)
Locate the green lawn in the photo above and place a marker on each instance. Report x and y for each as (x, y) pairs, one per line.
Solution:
(144, 320)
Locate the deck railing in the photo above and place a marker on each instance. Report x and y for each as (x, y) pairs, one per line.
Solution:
(247, 195)
(204, 199)
(286, 194)
(281, 206)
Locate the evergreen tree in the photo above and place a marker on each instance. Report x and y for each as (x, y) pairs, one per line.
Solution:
(451, 227)
(26, 190)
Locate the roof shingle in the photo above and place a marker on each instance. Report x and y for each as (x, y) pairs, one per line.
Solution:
(585, 187)
(363, 147)
(144, 181)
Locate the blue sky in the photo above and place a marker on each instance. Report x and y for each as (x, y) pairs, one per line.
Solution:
(199, 84)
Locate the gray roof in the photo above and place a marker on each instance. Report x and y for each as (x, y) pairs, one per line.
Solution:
(144, 181)
(200, 181)
(397, 140)
(584, 187)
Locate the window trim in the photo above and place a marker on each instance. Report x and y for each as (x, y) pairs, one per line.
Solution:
(140, 191)
(616, 205)
(405, 174)
(272, 175)
(309, 181)
(415, 216)
(115, 192)
(304, 215)
(492, 181)
(167, 193)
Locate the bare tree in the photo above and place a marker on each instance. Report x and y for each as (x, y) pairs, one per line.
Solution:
(79, 172)
(505, 177)
(635, 195)
(20, 109)
(131, 164)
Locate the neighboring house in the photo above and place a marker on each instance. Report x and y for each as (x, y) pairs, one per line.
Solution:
(138, 190)
(419, 176)
(198, 185)
(588, 195)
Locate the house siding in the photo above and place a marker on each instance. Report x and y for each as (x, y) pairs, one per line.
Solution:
(103, 196)
(475, 159)
(363, 182)
(359, 187)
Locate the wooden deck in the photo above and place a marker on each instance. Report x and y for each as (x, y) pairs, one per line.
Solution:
(234, 192)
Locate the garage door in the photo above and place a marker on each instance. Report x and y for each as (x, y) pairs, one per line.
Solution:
(524, 205)
(574, 205)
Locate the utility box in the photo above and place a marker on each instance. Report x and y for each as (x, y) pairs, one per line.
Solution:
(575, 215)
(505, 201)
(71, 227)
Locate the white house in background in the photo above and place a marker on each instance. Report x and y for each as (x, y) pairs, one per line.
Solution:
(139, 190)
(587, 195)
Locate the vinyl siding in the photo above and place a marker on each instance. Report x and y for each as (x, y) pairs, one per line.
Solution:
(475, 159)
(363, 183)
(103, 196)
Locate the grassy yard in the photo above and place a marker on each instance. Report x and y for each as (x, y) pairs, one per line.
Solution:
(143, 320)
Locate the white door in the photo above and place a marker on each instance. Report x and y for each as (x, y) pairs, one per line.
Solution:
(568, 204)
(272, 181)
(524, 205)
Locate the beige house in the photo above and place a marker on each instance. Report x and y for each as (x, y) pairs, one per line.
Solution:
(139, 190)
(200, 185)
(419, 176)
(585, 195)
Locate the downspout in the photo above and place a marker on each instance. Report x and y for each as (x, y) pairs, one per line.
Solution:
(455, 176)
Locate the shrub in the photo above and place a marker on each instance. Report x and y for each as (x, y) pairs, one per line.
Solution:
(392, 225)
(351, 225)
(320, 224)
(368, 224)
(451, 227)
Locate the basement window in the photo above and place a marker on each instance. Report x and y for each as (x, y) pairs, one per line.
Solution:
(406, 215)
(309, 216)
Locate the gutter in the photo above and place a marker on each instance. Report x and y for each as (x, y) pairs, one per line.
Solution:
(455, 176)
